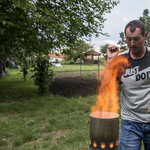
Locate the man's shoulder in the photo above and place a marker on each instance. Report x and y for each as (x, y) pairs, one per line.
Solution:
(126, 52)
(148, 48)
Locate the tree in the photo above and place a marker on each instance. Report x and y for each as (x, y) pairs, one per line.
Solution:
(146, 20)
(43, 74)
(16, 28)
(66, 22)
(41, 26)
(18, 36)
(103, 50)
(122, 42)
(78, 50)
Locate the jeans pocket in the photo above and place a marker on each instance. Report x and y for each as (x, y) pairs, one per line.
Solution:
(125, 122)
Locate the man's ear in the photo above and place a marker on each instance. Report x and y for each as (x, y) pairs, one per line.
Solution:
(146, 34)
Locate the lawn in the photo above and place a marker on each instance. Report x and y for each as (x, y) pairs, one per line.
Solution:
(76, 68)
(29, 121)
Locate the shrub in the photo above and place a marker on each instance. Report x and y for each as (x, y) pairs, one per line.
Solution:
(56, 60)
(43, 74)
(25, 70)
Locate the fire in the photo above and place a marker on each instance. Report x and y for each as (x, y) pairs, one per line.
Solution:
(94, 144)
(107, 99)
(111, 145)
(103, 146)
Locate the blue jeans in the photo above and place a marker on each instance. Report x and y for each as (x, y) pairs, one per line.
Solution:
(132, 134)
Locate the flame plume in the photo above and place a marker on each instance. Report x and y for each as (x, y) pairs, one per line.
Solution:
(107, 99)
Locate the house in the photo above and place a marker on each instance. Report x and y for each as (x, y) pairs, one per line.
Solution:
(56, 57)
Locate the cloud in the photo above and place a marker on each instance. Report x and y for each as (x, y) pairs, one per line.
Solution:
(97, 49)
(102, 42)
(145, 4)
(98, 43)
(111, 42)
(125, 19)
(113, 13)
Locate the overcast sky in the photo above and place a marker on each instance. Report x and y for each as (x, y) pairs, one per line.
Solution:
(124, 12)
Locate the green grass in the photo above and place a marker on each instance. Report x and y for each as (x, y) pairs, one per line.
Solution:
(29, 121)
(76, 68)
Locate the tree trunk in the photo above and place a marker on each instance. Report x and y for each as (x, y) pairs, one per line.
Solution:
(74, 61)
(4, 67)
(1, 68)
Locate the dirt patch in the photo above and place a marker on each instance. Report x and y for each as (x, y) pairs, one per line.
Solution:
(75, 84)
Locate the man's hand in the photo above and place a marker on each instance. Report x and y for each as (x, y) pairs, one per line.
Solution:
(112, 51)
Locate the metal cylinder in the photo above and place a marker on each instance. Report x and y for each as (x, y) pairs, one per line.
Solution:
(104, 131)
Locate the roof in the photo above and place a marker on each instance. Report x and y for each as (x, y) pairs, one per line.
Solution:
(56, 55)
(92, 52)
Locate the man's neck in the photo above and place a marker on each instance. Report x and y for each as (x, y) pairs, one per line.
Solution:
(138, 55)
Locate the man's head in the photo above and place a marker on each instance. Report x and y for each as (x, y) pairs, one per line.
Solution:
(135, 37)
(135, 24)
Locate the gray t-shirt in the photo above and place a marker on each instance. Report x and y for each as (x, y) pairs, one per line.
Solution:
(135, 89)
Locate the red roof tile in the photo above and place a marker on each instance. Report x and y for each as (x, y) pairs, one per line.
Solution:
(92, 52)
(57, 55)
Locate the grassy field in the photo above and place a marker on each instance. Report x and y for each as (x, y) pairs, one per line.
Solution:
(32, 122)
(76, 68)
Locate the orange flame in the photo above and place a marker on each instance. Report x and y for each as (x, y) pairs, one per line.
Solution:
(107, 100)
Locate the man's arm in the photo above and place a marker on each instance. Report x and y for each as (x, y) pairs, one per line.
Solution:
(112, 51)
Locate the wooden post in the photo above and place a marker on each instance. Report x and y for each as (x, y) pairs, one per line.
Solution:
(98, 67)
(92, 60)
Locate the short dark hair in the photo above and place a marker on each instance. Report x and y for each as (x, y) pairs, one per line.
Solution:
(135, 24)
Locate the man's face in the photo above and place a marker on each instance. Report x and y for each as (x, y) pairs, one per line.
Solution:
(135, 40)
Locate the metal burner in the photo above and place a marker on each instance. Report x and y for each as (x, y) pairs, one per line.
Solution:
(104, 131)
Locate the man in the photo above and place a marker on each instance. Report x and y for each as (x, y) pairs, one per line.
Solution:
(135, 88)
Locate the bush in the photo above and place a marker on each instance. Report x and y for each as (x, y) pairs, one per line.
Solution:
(25, 70)
(43, 74)
(56, 60)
